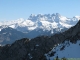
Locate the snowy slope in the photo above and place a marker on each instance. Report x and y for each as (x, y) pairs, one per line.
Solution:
(46, 22)
(67, 50)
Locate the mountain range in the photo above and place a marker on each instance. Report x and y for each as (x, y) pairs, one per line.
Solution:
(46, 22)
(35, 25)
(44, 47)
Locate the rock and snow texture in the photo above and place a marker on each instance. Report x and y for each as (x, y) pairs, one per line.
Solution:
(41, 24)
(65, 44)
(65, 50)
(47, 22)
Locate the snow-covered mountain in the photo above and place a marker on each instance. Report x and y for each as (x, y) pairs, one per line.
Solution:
(66, 50)
(62, 45)
(45, 22)
(51, 23)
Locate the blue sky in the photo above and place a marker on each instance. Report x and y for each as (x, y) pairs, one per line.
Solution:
(15, 9)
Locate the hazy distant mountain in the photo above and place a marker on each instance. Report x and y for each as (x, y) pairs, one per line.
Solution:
(9, 35)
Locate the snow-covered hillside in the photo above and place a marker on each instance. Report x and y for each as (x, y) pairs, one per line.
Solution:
(65, 50)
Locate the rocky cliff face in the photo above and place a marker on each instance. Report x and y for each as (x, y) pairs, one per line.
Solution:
(35, 49)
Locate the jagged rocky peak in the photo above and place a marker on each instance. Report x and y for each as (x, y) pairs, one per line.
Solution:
(32, 15)
(57, 14)
(53, 14)
(42, 15)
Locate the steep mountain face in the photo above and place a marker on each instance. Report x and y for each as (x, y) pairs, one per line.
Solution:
(47, 23)
(35, 49)
(9, 35)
